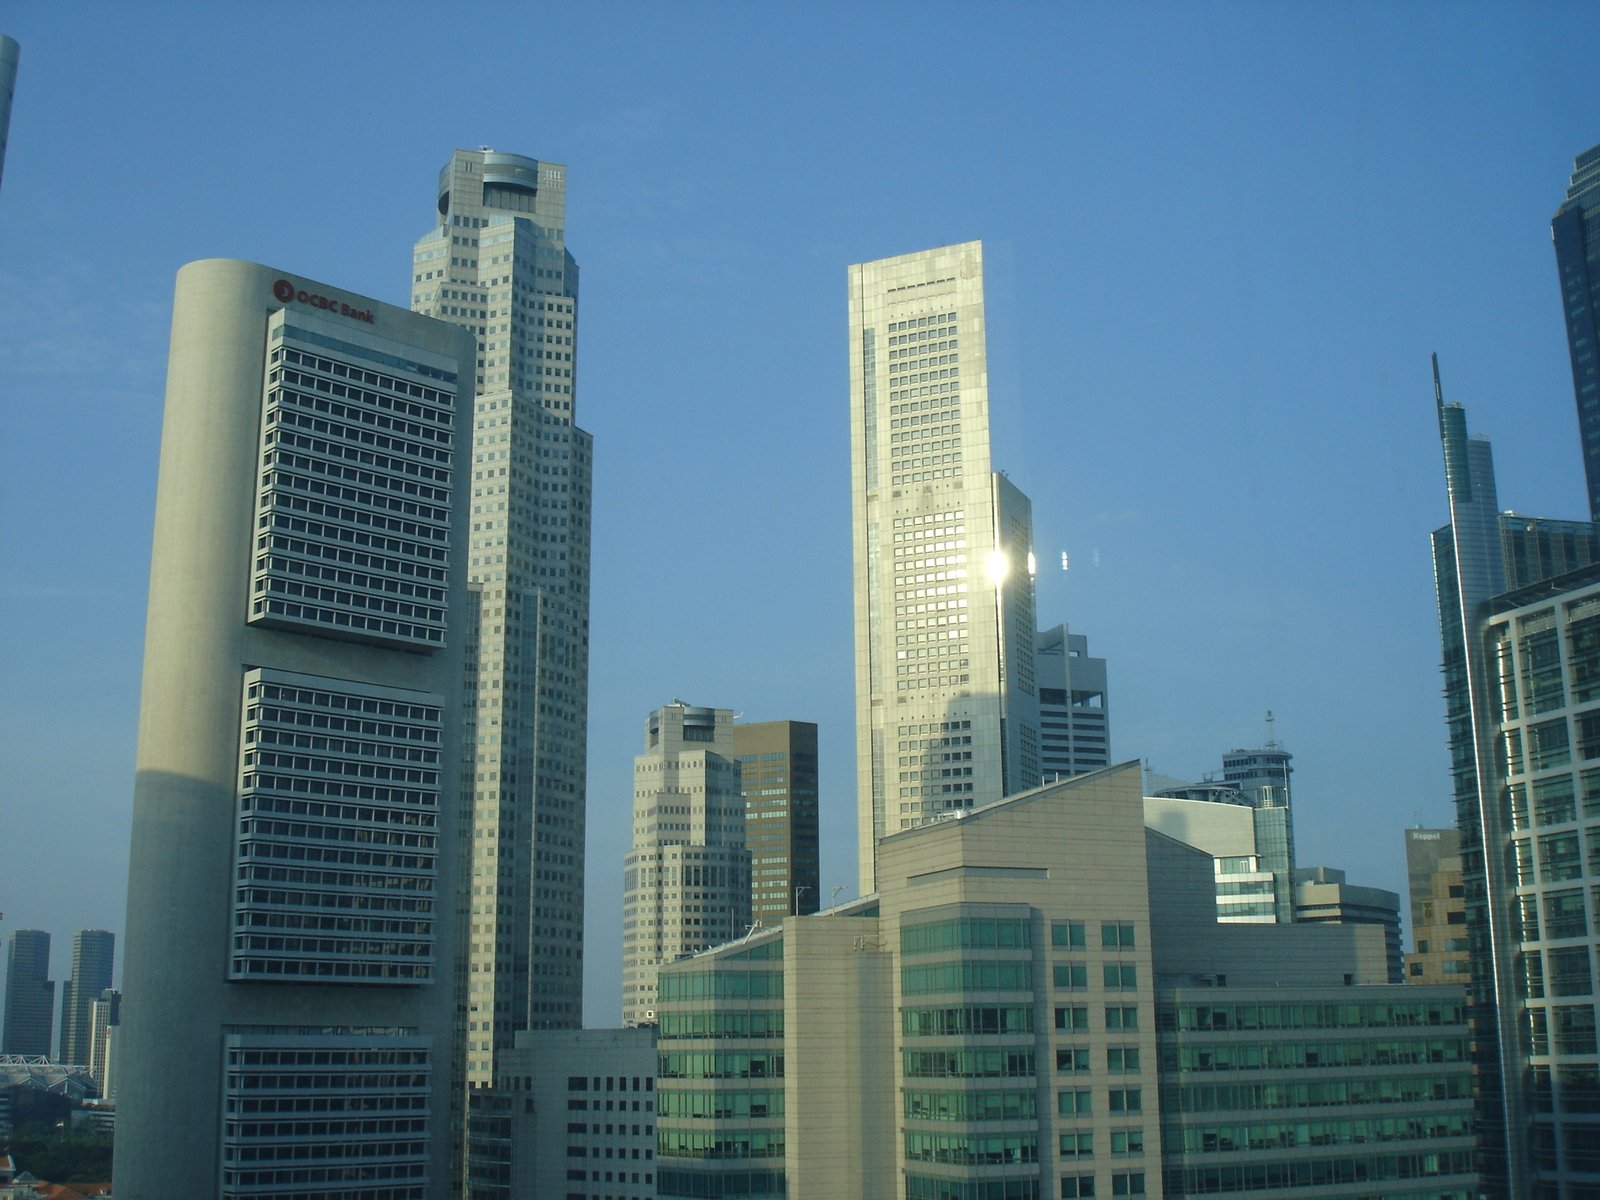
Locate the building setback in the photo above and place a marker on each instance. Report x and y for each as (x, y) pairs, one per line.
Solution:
(946, 707)
(30, 994)
(296, 805)
(778, 776)
(686, 877)
(497, 265)
(93, 952)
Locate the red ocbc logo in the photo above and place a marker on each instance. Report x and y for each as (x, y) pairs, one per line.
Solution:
(284, 291)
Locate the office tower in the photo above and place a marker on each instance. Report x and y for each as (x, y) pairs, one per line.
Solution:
(686, 878)
(1322, 896)
(572, 1115)
(296, 800)
(946, 713)
(1575, 229)
(30, 994)
(1074, 727)
(1438, 908)
(778, 776)
(988, 1025)
(104, 1014)
(9, 53)
(1218, 820)
(1519, 652)
(92, 953)
(497, 265)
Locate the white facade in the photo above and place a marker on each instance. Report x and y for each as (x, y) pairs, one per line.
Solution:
(946, 711)
(497, 265)
(295, 804)
(686, 878)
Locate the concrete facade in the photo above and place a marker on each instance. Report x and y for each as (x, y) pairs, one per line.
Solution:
(296, 798)
(497, 265)
(778, 775)
(946, 704)
(686, 877)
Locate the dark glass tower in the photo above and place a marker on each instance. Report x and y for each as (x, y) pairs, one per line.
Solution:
(1575, 230)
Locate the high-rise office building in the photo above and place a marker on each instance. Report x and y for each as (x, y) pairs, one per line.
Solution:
(286, 1030)
(10, 52)
(30, 994)
(1322, 896)
(497, 265)
(946, 709)
(1074, 725)
(104, 1015)
(1438, 908)
(1520, 654)
(1575, 229)
(686, 878)
(778, 776)
(92, 953)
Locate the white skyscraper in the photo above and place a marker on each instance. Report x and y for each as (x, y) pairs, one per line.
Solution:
(686, 877)
(497, 264)
(946, 706)
(288, 1018)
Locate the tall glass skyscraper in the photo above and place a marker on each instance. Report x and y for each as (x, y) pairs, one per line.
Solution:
(497, 264)
(29, 994)
(1575, 230)
(946, 703)
(93, 951)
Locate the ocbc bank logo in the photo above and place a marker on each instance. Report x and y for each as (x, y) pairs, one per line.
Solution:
(283, 291)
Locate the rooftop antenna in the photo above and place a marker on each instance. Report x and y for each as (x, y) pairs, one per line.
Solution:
(1272, 740)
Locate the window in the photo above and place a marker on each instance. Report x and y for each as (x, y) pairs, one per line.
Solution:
(1074, 1187)
(1073, 1060)
(1127, 1141)
(1122, 1016)
(1128, 1183)
(1067, 935)
(1122, 1058)
(1074, 1018)
(1120, 976)
(1075, 1103)
(1077, 1145)
(1071, 976)
(1116, 935)
(1127, 1100)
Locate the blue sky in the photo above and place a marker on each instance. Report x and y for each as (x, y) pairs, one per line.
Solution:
(1222, 241)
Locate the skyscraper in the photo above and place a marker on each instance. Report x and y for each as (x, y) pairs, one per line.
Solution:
(1074, 725)
(9, 53)
(946, 710)
(778, 776)
(1575, 229)
(92, 954)
(1520, 635)
(104, 1014)
(30, 994)
(686, 877)
(285, 1030)
(497, 264)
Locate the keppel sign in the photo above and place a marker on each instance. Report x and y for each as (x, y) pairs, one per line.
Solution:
(284, 291)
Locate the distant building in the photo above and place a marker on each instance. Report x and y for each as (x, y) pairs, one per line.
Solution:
(104, 1016)
(1040, 1002)
(1575, 230)
(1074, 721)
(572, 1115)
(10, 52)
(1439, 950)
(778, 777)
(686, 878)
(1217, 819)
(946, 705)
(93, 952)
(1323, 897)
(30, 994)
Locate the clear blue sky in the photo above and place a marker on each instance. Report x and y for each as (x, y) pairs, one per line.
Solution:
(1222, 240)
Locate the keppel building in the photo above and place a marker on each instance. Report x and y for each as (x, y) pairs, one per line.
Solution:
(946, 706)
(1575, 229)
(92, 953)
(1519, 618)
(30, 995)
(686, 877)
(497, 265)
(287, 1024)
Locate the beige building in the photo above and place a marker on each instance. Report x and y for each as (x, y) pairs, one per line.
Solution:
(496, 264)
(686, 877)
(946, 705)
(295, 805)
(1439, 952)
(1005, 1017)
